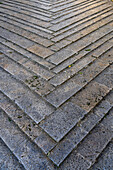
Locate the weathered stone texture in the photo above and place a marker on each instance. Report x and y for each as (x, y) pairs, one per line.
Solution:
(56, 85)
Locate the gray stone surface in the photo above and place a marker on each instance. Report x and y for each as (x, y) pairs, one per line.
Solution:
(95, 116)
(91, 95)
(75, 161)
(103, 108)
(24, 97)
(45, 142)
(63, 93)
(27, 153)
(9, 132)
(72, 20)
(32, 157)
(108, 121)
(94, 143)
(62, 121)
(7, 160)
(61, 152)
(107, 77)
(14, 68)
(71, 70)
(56, 84)
(110, 98)
(57, 59)
(83, 59)
(65, 146)
(106, 160)
(37, 69)
(77, 27)
(89, 121)
(26, 124)
(76, 135)
(40, 51)
(14, 37)
(19, 54)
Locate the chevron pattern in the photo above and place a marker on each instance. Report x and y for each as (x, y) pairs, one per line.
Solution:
(56, 84)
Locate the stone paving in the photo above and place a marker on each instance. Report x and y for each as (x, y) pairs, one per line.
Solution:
(56, 85)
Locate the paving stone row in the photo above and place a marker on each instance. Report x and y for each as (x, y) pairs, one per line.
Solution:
(6, 23)
(27, 11)
(34, 10)
(26, 44)
(79, 132)
(51, 124)
(30, 102)
(30, 13)
(63, 7)
(80, 44)
(92, 94)
(34, 4)
(27, 63)
(59, 3)
(68, 115)
(80, 61)
(56, 84)
(25, 17)
(106, 159)
(32, 22)
(83, 53)
(76, 28)
(87, 20)
(35, 82)
(26, 124)
(26, 152)
(30, 27)
(73, 12)
(89, 149)
(80, 80)
(7, 159)
(10, 48)
(86, 102)
(74, 19)
(30, 7)
(82, 129)
(71, 9)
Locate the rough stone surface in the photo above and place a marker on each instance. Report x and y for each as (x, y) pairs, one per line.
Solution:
(26, 124)
(24, 97)
(94, 143)
(75, 160)
(56, 84)
(7, 159)
(68, 115)
(108, 121)
(106, 159)
(27, 152)
(107, 77)
(41, 51)
(63, 93)
(90, 96)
